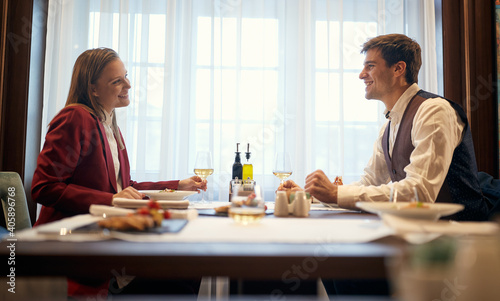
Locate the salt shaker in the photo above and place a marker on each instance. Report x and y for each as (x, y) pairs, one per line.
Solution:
(281, 204)
(301, 206)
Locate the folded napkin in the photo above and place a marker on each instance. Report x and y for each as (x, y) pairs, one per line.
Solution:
(188, 214)
(132, 203)
(65, 226)
(107, 211)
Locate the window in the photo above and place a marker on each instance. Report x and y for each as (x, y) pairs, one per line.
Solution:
(280, 75)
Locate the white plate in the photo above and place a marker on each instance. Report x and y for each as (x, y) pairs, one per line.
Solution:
(433, 212)
(172, 196)
(164, 204)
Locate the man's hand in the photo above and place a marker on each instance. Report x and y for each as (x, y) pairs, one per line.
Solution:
(129, 193)
(193, 183)
(320, 187)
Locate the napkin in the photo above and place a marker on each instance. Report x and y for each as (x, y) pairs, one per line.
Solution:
(103, 210)
(188, 214)
(65, 226)
(132, 203)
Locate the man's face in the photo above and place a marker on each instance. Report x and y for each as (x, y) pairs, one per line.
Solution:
(376, 75)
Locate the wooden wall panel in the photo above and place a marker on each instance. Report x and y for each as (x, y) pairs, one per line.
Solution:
(470, 73)
(15, 57)
(15, 73)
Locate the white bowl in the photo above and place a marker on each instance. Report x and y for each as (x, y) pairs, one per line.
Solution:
(432, 211)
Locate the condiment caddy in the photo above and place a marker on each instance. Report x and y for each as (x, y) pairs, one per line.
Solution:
(298, 205)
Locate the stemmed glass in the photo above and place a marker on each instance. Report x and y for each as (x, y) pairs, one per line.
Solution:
(203, 167)
(282, 166)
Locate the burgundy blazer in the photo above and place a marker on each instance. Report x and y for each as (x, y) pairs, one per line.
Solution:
(75, 167)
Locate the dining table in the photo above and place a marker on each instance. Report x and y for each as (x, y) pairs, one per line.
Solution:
(265, 260)
(331, 243)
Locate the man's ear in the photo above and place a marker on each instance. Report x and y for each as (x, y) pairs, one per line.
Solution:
(399, 68)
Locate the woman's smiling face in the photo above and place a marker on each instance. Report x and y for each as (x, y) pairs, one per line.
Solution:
(111, 88)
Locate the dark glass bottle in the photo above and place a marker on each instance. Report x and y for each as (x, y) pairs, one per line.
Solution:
(237, 170)
(237, 167)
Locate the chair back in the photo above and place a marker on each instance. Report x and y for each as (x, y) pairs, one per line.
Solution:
(14, 203)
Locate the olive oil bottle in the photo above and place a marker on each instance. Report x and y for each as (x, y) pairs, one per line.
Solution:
(248, 167)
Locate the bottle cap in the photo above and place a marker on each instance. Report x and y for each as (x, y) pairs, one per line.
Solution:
(247, 153)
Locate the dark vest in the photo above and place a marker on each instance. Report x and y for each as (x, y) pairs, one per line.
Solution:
(461, 184)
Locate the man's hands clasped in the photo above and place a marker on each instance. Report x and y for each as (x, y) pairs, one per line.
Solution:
(317, 184)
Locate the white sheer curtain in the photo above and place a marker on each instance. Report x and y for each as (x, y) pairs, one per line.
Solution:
(278, 74)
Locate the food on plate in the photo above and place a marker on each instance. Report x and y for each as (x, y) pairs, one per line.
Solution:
(144, 218)
(134, 222)
(416, 205)
(222, 209)
(167, 190)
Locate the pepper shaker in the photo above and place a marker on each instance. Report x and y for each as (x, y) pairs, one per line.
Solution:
(281, 204)
(301, 206)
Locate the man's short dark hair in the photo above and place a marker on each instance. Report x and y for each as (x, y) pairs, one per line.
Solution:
(395, 48)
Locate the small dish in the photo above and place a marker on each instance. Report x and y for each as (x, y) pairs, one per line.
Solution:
(431, 211)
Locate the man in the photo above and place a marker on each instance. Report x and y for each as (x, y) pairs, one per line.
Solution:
(426, 143)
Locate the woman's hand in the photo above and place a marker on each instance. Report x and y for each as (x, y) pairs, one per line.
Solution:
(193, 183)
(129, 193)
(289, 185)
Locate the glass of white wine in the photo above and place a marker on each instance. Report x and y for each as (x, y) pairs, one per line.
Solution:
(282, 166)
(203, 167)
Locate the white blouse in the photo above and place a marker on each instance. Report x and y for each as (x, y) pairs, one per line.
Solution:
(114, 148)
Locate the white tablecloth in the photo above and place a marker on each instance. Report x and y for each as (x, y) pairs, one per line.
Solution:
(224, 229)
(271, 230)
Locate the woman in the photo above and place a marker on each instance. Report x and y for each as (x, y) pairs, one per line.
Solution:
(84, 160)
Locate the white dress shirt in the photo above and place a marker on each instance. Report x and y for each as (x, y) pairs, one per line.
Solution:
(437, 131)
(114, 148)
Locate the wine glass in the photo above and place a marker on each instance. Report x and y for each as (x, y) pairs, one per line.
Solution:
(282, 166)
(203, 167)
